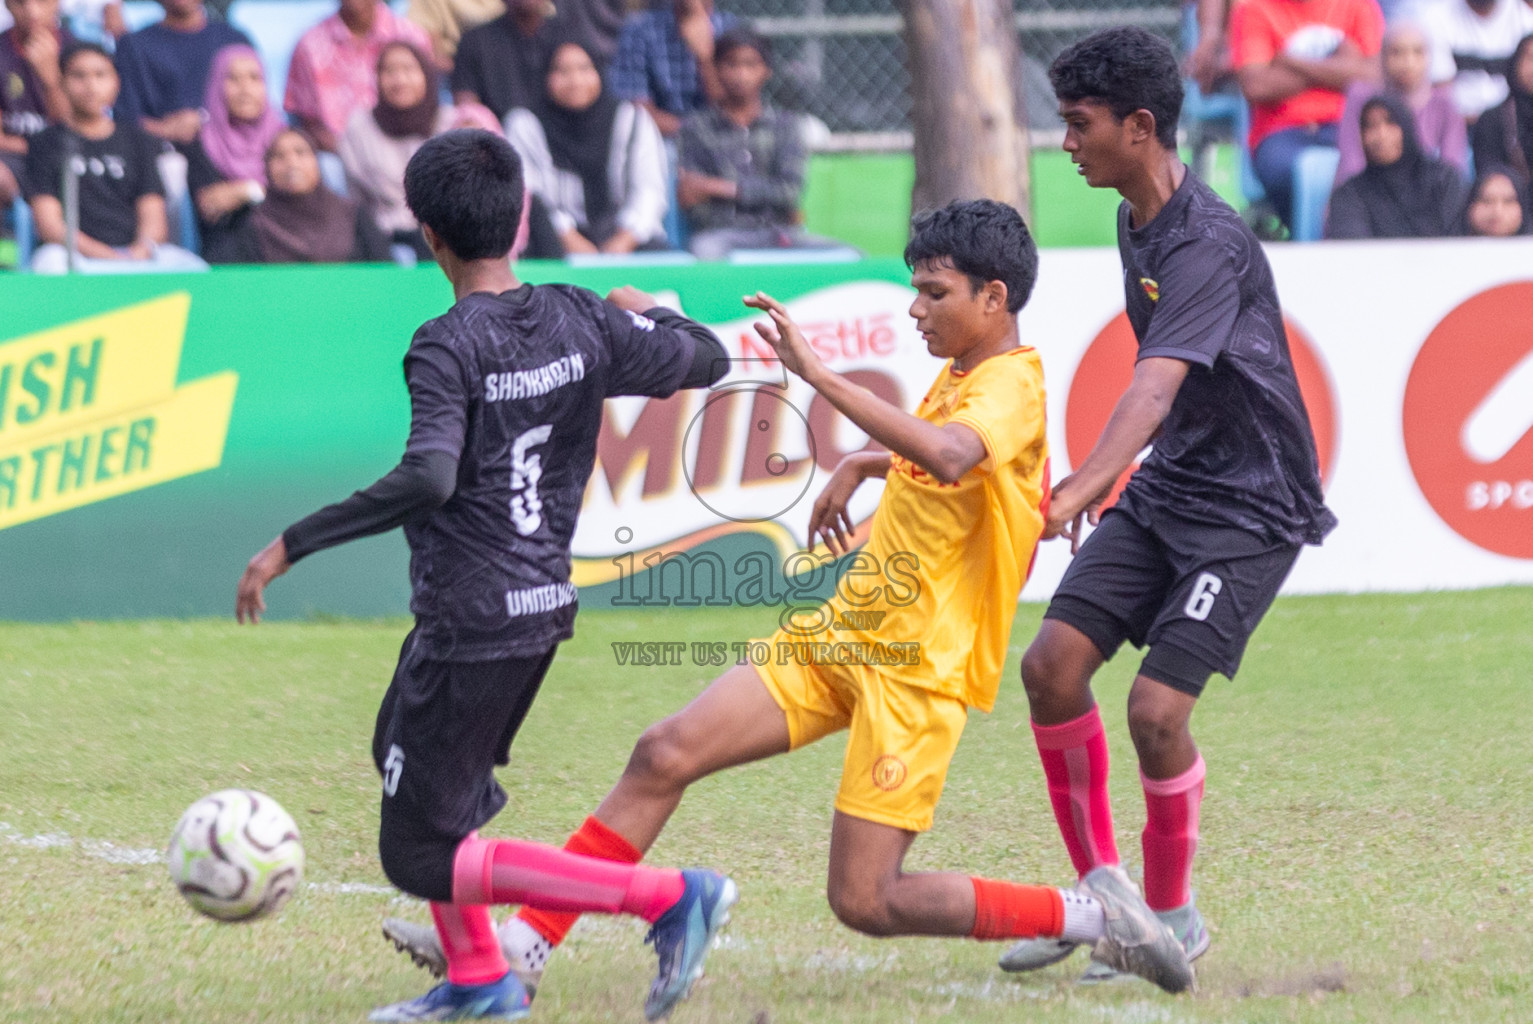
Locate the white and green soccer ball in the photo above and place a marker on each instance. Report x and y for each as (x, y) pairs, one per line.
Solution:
(235, 855)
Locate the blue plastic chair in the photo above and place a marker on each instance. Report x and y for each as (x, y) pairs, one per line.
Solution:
(189, 236)
(333, 173)
(24, 231)
(1314, 172)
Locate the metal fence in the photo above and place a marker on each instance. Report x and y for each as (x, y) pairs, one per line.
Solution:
(844, 60)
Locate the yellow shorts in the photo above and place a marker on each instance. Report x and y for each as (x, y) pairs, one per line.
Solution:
(901, 737)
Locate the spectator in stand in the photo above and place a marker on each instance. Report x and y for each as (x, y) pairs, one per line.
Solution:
(1401, 192)
(664, 61)
(1471, 41)
(302, 221)
(595, 24)
(31, 89)
(742, 162)
(122, 227)
(445, 21)
(594, 164)
(226, 164)
(501, 63)
(164, 69)
(334, 68)
(378, 143)
(1504, 134)
(1439, 126)
(1294, 59)
(1498, 206)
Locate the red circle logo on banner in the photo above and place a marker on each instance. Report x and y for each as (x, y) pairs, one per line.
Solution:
(1468, 420)
(1107, 368)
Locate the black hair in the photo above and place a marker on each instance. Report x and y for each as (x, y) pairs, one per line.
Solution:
(982, 239)
(466, 185)
(731, 39)
(1126, 69)
(74, 49)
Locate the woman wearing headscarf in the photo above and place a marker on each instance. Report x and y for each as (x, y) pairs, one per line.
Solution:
(595, 164)
(1504, 134)
(1498, 205)
(1406, 64)
(378, 143)
(302, 221)
(1401, 192)
(225, 170)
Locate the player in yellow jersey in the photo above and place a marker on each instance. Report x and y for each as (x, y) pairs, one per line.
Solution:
(916, 634)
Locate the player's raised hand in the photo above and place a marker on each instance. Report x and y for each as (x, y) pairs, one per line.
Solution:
(783, 335)
(268, 563)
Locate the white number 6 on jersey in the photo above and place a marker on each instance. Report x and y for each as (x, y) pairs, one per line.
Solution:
(1201, 601)
(526, 471)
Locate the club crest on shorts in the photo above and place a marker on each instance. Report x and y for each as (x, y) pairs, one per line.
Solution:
(888, 773)
(1151, 288)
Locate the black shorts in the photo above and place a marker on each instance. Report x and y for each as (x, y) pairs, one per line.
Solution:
(442, 728)
(1195, 593)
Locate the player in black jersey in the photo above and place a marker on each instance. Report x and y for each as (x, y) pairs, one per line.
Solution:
(1193, 553)
(506, 394)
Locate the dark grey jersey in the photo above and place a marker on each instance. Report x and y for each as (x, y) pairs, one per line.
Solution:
(513, 386)
(1236, 448)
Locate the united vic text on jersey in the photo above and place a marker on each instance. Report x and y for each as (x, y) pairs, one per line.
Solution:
(513, 385)
(1236, 449)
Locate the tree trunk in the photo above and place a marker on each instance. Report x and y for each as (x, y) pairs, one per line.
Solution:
(968, 112)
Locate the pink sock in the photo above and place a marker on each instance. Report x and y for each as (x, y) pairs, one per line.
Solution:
(548, 878)
(1171, 835)
(1074, 756)
(468, 939)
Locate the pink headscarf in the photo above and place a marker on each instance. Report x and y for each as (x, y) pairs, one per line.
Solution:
(236, 148)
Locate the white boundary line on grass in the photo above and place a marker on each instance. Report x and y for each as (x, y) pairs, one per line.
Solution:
(100, 849)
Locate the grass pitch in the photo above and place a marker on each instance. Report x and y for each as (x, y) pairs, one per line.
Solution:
(1364, 858)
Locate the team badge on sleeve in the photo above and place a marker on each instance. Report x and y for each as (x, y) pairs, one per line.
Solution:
(1151, 288)
(640, 321)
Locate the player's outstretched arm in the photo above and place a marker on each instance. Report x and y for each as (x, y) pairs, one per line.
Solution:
(1134, 421)
(946, 452)
(422, 481)
(830, 520)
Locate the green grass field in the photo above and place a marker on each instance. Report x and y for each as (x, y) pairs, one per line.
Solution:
(1364, 857)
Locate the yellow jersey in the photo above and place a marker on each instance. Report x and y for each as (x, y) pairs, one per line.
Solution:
(945, 563)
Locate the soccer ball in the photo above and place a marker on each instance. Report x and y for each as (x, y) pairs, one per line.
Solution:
(235, 855)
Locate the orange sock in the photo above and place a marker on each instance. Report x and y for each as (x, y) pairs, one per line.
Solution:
(593, 839)
(1005, 910)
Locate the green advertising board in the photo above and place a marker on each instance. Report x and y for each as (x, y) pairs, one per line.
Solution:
(155, 431)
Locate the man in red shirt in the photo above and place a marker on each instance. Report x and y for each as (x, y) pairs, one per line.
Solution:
(1294, 60)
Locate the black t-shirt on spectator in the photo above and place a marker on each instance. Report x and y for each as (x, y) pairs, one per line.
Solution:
(503, 67)
(223, 240)
(115, 172)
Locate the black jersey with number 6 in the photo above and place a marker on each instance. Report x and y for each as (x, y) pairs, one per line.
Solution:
(1236, 449)
(513, 385)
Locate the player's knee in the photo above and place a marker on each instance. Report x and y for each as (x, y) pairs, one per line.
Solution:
(861, 909)
(662, 756)
(1044, 673)
(1152, 726)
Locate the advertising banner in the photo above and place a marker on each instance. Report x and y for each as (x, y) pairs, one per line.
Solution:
(156, 431)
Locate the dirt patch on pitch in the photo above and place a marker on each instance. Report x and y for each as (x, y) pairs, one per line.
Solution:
(1310, 983)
